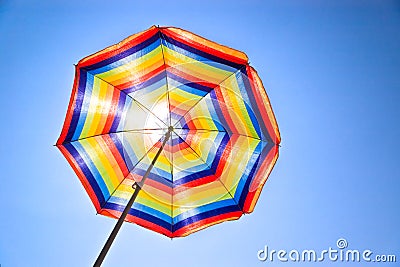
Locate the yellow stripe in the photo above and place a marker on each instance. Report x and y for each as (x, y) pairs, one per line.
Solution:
(198, 196)
(101, 157)
(183, 99)
(237, 108)
(101, 101)
(148, 196)
(106, 108)
(157, 200)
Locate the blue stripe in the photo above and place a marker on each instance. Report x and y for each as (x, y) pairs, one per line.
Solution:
(119, 112)
(153, 212)
(254, 120)
(245, 98)
(162, 177)
(140, 214)
(122, 119)
(218, 112)
(248, 180)
(86, 103)
(191, 84)
(93, 169)
(80, 94)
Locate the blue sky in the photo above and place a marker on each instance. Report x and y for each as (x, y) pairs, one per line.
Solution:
(331, 71)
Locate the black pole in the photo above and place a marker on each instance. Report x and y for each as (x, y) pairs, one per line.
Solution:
(137, 187)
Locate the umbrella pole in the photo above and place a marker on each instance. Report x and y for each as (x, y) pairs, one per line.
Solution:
(128, 206)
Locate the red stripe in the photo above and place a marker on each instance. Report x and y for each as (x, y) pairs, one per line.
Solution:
(115, 152)
(190, 124)
(201, 47)
(81, 176)
(194, 183)
(224, 109)
(158, 186)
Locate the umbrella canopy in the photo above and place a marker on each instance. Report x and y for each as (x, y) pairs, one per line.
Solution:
(200, 105)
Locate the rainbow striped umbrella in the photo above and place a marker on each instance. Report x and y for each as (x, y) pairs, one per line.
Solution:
(173, 129)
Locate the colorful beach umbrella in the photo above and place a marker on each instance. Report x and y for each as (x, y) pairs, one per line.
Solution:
(178, 124)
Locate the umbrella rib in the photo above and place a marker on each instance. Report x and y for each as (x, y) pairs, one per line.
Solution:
(117, 132)
(248, 136)
(204, 130)
(172, 179)
(116, 188)
(195, 104)
(207, 130)
(237, 204)
(166, 78)
(122, 91)
(144, 107)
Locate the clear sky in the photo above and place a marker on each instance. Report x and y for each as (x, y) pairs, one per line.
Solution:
(331, 69)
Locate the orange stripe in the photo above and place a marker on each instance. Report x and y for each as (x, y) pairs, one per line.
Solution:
(117, 156)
